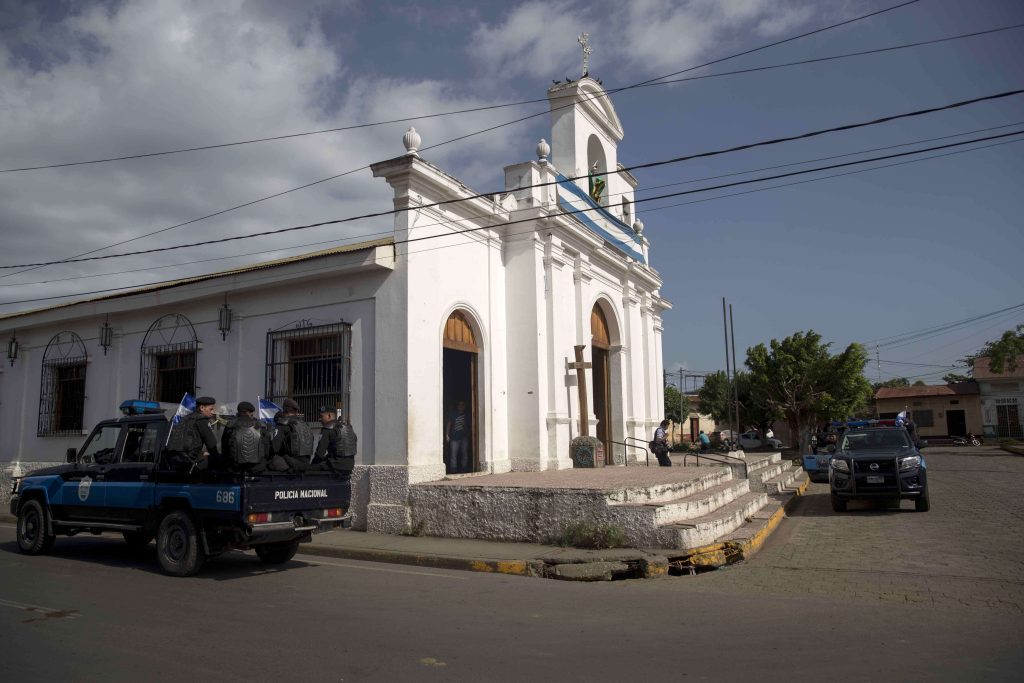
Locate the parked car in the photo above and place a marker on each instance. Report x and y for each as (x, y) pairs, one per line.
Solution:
(880, 463)
(752, 440)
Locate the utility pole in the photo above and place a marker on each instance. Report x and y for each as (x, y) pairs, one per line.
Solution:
(735, 369)
(728, 376)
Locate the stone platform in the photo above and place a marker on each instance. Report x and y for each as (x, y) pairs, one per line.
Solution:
(675, 508)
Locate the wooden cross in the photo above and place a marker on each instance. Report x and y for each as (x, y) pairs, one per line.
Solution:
(584, 41)
(581, 385)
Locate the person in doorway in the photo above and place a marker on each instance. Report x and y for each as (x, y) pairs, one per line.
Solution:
(456, 436)
(660, 444)
(705, 442)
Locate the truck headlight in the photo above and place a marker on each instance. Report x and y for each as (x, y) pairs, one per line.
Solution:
(910, 463)
(840, 465)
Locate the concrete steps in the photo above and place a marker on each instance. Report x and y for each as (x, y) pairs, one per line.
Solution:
(713, 526)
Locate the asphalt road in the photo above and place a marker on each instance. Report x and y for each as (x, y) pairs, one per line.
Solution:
(827, 598)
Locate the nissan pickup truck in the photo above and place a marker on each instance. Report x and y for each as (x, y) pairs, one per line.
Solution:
(880, 463)
(121, 481)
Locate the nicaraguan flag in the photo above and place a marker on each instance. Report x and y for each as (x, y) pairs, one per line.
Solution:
(901, 418)
(185, 408)
(268, 409)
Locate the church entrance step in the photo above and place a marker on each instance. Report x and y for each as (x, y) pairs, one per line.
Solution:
(704, 530)
(685, 508)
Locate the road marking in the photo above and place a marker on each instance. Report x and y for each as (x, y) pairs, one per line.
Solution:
(46, 612)
(306, 558)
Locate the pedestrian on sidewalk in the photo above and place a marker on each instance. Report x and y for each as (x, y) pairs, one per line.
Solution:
(660, 444)
(705, 442)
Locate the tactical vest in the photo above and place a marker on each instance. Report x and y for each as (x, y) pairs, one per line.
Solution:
(301, 441)
(245, 443)
(183, 435)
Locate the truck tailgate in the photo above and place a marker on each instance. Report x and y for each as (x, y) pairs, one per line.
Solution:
(279, 494)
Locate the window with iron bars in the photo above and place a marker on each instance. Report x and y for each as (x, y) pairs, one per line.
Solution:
(62, 398)
(312, 365)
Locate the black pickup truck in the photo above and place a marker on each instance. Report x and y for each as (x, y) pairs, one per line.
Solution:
(881, 463)
(120, 481)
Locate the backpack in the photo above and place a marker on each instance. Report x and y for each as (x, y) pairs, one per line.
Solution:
(183, 436)
(245, 444)
(301, 441)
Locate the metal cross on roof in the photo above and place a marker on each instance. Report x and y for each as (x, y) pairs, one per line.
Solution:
(584, 41)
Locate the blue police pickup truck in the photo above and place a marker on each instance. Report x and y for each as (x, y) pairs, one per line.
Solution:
(121, 481)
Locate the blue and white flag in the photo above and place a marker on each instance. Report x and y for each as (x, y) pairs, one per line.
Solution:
(901, 418)
(185, 408)
(268, 409)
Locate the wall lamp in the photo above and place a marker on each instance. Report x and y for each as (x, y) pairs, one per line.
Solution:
(224, 322)
(12, 347)
(106, 335)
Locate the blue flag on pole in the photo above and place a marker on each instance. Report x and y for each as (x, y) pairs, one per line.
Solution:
(901, 418)
(185, 408)
(268, 409)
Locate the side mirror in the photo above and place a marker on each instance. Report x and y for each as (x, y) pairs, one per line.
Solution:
(922, 443)
(72, 455)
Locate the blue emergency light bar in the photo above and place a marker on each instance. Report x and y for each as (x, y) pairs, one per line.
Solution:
(136, 407)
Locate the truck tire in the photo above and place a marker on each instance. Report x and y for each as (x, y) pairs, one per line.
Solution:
(277, 553)
(137, 539)
(838, 504)
(922, 503)
(177, 545)
(33, 536)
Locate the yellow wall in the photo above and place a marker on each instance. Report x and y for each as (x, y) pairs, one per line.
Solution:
(971, 405)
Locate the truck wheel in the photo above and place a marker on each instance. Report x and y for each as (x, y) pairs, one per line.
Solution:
(921, 503)
(177, 545)
(137, 539)
(33, 538)
(838, 504)
(277, 553)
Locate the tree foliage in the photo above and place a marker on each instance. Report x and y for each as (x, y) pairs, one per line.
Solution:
(953, 378)
(801, 380)
(895, 383)
(1003, 352)
(754, 409)
(672, 404)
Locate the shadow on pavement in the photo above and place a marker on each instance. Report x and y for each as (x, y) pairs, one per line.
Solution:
(113, 552)
(820, 505)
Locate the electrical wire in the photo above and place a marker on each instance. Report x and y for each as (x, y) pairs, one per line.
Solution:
(489, 129)
(653, 164)
(363, 236)
(526, 220)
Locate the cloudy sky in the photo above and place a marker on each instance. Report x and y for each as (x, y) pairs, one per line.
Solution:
(857, 258)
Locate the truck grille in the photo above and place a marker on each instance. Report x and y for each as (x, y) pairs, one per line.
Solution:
(885, 466)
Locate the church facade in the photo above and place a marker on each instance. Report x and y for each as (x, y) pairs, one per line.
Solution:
(478, 300)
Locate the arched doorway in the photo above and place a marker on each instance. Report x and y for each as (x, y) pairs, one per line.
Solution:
(461, 406)
(600, 342)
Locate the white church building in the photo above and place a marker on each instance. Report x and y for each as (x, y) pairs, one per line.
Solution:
(474, 299)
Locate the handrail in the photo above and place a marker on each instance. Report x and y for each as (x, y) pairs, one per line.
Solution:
(643, 445)
(746, 473)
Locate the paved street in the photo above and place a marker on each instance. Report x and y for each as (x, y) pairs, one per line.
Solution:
(869, 595)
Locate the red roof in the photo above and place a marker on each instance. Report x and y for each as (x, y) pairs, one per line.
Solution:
(958, 389)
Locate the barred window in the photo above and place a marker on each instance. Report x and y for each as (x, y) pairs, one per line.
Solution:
(62, 386)
(311, 364)
(167, 367)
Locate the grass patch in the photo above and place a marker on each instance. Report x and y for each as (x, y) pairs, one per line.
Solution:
(583, 534)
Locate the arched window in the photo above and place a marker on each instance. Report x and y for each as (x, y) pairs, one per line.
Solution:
(167, 367)
(597, 167)
(62, 386)
(627, 214)
(600, 338)
(458, 334)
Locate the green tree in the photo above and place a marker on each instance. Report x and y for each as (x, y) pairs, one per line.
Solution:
(1003, 352)
(920, 383)
(754, 409)
(674, 410)
(801, 380)
(714, 396)
(953, 378)
(896, 383)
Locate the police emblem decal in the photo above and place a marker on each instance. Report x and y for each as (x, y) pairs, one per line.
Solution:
(83, 489)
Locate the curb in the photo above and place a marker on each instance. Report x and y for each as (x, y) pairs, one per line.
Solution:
(513, 567)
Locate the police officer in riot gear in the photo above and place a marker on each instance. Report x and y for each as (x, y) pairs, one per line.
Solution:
(200, 449)
(337, 447)
(292, 439)
(239, 453)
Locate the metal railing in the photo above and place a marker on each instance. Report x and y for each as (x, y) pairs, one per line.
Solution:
(711, 456)
(642, 446)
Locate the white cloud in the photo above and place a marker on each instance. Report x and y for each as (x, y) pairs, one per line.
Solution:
(535, 39)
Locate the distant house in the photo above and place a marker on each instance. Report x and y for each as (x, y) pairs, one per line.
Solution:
(936, 409)
(1002, 398)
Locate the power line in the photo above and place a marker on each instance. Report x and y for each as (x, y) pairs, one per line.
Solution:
(491, 128)
(872, 342)
(903, 341)
(515, 222)
(652, 164)
(505, 105)
(363, 236)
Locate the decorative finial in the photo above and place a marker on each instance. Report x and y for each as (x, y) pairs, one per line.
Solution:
(412, 141)
(638, 226)
(584, 41)
(543, 150)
